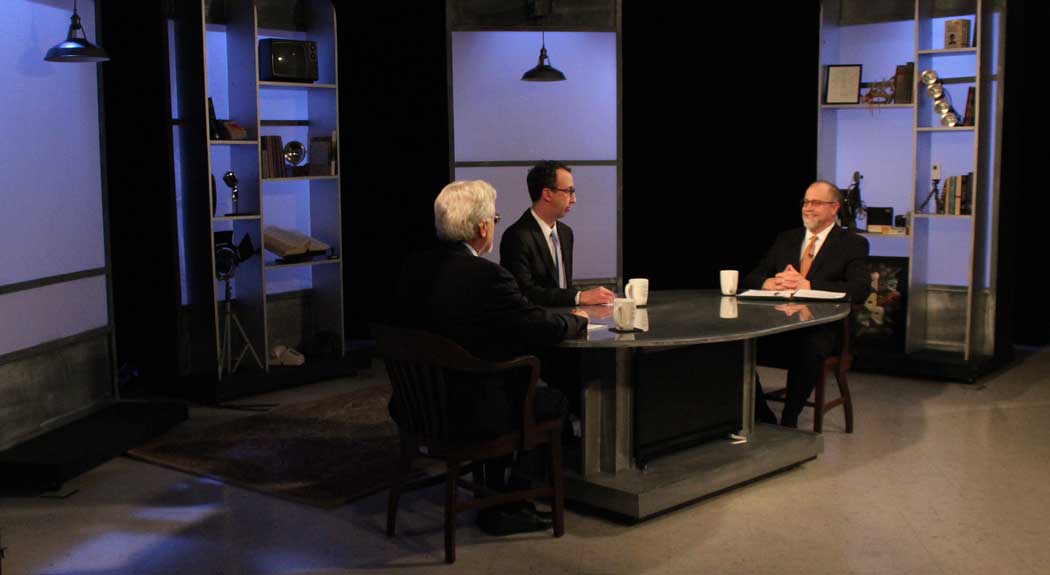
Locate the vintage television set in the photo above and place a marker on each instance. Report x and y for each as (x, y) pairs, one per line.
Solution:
(283, 60)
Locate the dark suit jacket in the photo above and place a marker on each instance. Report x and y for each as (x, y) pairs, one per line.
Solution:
(840, 265)
(524, 251)
(476, 303)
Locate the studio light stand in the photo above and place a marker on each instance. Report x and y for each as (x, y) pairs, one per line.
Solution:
(226, 260)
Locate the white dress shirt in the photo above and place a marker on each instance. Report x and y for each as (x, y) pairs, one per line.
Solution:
(554, 254)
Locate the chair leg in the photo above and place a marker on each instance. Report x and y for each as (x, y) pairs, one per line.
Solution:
(818, 404)
(558, 483)
(847, 399)
(395, 490)
(452, 474)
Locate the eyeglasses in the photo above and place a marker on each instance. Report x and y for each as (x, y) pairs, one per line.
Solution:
(816, 203)
(496, 218)
(570, 191)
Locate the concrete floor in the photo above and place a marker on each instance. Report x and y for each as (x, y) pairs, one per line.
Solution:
(938, 478)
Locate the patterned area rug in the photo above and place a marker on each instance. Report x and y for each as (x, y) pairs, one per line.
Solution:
(326, 452)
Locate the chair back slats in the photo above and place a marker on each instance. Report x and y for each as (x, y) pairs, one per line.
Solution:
(419, 365)
(421, 392)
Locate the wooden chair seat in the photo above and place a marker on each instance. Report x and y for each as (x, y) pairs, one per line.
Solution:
(417, 364)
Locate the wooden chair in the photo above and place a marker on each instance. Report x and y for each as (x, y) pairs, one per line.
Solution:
(417, 363)
(838, 365)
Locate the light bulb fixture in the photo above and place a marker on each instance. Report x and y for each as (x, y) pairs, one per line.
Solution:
(76, 47)
(543, 72)
(942, 102)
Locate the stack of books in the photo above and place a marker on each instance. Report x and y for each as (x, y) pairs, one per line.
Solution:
(958, 195)
(271, 157)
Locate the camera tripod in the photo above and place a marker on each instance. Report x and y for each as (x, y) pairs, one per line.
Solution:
(226, 361)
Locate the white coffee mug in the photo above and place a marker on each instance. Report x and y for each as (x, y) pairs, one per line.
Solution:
(729, 279)
(638, 290)
(623, 313)
(727, 308)
(641, 319)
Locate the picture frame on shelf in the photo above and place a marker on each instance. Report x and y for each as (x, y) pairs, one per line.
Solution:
(842, 84)
(881, 319)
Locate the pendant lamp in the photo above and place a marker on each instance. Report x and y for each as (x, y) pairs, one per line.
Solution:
(543, 72)
(76, 47)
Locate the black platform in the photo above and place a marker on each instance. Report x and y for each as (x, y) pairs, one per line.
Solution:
(47, 461)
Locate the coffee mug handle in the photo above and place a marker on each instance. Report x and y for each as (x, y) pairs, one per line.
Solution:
(627, 290)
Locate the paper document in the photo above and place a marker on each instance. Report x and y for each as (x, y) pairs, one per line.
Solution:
(795, 294)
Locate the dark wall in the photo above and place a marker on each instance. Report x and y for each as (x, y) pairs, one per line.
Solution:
(394, 118)
(719, 134)
(137, 161)
(1024, 201)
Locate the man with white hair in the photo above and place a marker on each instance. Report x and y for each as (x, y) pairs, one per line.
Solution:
(453, 292)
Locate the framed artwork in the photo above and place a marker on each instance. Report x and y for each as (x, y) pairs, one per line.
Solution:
(842, 84)
(882, 317)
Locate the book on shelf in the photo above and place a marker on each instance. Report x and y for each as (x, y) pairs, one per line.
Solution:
(956, 33)
(811, 294)
(321, 157)
(271, 161)
(968, 111)
(903, 79)
(289, 243)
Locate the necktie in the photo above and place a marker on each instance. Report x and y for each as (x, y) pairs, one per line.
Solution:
(557, 258)
(807, 256)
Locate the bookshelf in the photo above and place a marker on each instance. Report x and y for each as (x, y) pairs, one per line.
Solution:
(951, 295)
(214, 57)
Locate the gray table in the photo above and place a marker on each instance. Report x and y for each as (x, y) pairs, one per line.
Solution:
(712, 344)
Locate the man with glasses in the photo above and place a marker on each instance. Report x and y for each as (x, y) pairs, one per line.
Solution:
(451, 291)
(820, 256)
(537, 249)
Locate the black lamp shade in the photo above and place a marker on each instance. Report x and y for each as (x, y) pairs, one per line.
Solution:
(76, 47)
(543, 72)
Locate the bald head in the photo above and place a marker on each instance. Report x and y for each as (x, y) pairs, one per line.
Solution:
(820, 206)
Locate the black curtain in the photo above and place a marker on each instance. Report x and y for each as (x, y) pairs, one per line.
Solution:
(394, 121)
(137, 161)
(1024, 201)
(719, 134)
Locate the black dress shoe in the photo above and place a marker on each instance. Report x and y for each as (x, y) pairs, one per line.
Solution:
(500, 521)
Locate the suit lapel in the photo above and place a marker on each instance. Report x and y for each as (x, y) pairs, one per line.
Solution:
(540, 245)
(825, 250)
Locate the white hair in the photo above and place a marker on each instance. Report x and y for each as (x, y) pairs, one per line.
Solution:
(461, 207)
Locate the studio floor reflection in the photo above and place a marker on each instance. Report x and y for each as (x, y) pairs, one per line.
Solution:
(938, 478)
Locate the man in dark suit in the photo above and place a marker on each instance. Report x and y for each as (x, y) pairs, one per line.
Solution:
(452, 291)
(819, 256)
(537, 249)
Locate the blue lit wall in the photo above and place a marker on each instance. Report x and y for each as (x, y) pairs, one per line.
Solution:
(51, 216)
(497, 117)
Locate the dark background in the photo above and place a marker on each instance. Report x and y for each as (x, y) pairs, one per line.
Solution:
(719, 133)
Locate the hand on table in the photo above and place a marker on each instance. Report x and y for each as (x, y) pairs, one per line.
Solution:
(598, 295)
(789, 279)
(594, 312)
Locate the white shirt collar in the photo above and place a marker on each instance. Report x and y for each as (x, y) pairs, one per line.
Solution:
(543, 225)
(471, 248)
(821, 236)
